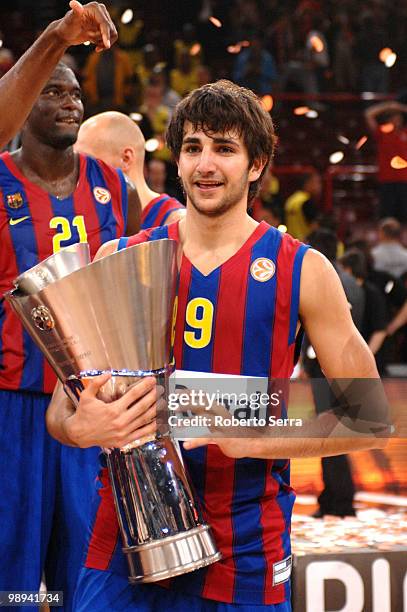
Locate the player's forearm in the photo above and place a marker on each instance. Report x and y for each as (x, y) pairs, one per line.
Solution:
(59, 410)
(399, 320)
(296, 448)
(22, 84)
(376, 340)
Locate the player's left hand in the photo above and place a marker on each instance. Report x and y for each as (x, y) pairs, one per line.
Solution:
(89, 22)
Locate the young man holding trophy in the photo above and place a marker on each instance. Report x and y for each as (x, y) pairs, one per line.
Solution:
(245, 292)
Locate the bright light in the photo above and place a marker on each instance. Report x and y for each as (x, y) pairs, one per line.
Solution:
(312, 114)
(136, 116)
(234, 49)
(343, 139)
(215, 21)
(398, 163)
(389, 286)
(282, 229)
(152, 144)
(316, 44)
(360, 142)
(267, 102)
(301, 110)
(390, 60)
(386, 128)
(87, 43)
(1, 44)
(384, 54)
(195, 49)
(336, 157)
(127, 16)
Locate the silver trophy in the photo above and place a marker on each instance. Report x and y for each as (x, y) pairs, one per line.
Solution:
(116, 315)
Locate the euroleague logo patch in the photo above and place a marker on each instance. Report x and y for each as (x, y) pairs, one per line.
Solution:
(102, 195)
(262, 269)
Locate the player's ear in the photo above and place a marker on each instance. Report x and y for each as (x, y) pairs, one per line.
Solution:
(127, 158)
(257, 168)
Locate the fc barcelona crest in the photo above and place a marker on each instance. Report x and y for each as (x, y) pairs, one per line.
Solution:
(15, 200)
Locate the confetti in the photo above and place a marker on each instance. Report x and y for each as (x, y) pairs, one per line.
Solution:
(136, 116)
(343, 139)
(398, 163)
(195, 49)
(301, 110)
(384, 54)
(336, 157)
(152, 144)
(267, 102)
(360, 142)
(390, 60)
(316, 44)
(368, 531)
(127, 16)
(386, 128)
(215, 21)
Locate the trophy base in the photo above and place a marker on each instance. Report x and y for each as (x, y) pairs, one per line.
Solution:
(172, 556)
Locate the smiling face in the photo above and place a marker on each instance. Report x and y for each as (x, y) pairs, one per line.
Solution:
(214, 170)
(57, 114)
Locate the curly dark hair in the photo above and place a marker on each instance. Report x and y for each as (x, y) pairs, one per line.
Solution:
(225, 107)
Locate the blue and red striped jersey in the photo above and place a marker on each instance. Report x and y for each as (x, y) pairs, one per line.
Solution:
(157, 211)
(35, 224)
(246, 312)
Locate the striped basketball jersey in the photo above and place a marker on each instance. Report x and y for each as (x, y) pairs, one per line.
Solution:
(35, 224)
(158, 210)
(240, 319)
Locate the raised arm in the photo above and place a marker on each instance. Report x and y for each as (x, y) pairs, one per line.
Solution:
(22, 84)
(373, 112)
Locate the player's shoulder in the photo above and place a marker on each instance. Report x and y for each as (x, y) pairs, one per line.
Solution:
(93, 163)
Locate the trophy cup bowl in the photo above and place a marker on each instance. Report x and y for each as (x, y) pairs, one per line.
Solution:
(117, 315)
(53, 268)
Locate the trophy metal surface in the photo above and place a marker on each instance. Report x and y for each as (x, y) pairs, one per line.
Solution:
(116, 315)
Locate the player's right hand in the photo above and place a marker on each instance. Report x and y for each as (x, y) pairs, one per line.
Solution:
(114, 424)
(89, 22)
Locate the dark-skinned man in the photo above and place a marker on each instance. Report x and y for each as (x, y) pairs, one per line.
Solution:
(22, 84)
(50, 197)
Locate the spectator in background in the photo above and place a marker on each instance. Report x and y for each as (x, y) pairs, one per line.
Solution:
(268, 205)
(157, 175)
(150, 60)
(371, 39)
(255, 67)
(189, 44)
(316, 57)
(391, 141)
(343, 54)
(395, 295)
(107, 79)
(390, 255)
(156, 116)
(301, 209)
(160, 77)
(183, 77)
(374, 323)
(337, 496)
